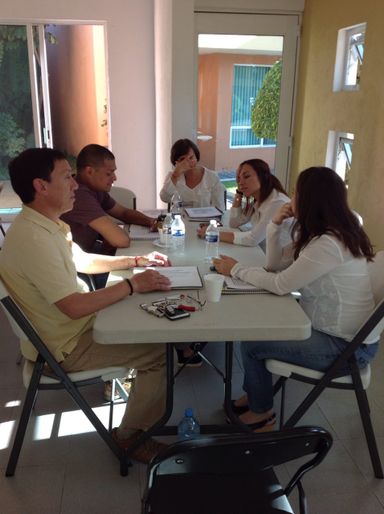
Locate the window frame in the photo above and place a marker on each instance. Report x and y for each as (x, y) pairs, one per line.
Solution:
(344, 48)
(337, 140)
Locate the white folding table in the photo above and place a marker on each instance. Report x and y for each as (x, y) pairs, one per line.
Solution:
(236, 317)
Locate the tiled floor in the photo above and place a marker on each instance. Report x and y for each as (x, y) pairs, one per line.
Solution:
(64, 468)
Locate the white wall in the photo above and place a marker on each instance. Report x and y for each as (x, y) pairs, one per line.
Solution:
(129, 25)
(130, 40)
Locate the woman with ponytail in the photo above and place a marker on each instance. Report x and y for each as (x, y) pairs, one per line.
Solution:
(263, 194)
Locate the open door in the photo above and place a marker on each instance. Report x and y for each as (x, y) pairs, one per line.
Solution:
(38, 73)
(238, 54)
(45, 99)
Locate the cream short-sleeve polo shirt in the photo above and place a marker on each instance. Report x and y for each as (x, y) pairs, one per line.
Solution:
(36, 265)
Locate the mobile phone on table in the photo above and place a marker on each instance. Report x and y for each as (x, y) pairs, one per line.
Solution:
(175, 313)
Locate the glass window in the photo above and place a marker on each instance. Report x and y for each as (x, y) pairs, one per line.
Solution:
(247, 82)
(16, 120)
(344, 156)
(349, 57)
(354, 58)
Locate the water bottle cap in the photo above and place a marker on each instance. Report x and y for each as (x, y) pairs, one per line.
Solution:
(177, 215)
(189, 412)
(213, 222)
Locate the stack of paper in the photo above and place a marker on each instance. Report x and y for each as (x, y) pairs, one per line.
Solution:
(238, 286)
(203, 213)
(181, 277)
(140, 233)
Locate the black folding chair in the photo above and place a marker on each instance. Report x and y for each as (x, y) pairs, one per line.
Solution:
(230, 474)
(35, 379)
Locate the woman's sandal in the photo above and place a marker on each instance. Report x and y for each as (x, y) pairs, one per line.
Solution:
(263, 426)
(238, 409)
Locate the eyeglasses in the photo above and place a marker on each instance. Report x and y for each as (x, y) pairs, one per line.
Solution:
(193, 300)
(182, 301)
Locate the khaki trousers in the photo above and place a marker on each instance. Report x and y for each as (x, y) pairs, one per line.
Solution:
(147, 400)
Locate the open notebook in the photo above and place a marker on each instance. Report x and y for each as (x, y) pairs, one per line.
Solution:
(181, 277)
(238, 286)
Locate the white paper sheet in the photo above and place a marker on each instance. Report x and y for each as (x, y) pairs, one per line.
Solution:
(181, 277)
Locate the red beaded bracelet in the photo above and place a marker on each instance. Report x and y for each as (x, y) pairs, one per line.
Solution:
(137, 258)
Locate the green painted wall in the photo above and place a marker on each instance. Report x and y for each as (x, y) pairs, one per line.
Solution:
(319, 109)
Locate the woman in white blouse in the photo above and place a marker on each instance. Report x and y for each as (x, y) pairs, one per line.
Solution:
(264, 196)
(327, 263)
(196, 185)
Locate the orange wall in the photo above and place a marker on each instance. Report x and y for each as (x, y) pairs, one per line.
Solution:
(77, 84)
(214, 111)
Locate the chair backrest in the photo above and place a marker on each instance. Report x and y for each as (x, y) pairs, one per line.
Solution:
(24, 330)
(376, 275)
(373, 326)
(124, 196)
(245, 453)
(8, 303)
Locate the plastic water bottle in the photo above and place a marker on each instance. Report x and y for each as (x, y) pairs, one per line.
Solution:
(178, 232)
(211, 241)
(176, 204)
(188, 428)
(167, 230)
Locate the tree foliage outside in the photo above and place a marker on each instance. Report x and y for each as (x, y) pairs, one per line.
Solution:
(16, 122)
(265, 110)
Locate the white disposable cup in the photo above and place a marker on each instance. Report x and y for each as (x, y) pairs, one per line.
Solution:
(165, 237)
(213, 286)
(162, 235)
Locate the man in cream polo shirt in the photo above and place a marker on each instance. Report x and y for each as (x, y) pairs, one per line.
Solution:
(39, 264)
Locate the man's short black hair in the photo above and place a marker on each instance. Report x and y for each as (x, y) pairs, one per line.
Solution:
(30, 164)
(93, 155)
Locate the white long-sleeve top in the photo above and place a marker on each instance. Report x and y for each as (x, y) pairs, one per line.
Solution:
(335, 288)
(259, 217)
(210, 183)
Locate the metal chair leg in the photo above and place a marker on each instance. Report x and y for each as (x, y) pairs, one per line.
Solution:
(282, 403)
(364, 409)
(24, 418)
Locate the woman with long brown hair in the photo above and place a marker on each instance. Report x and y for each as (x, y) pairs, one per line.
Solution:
(327, 262)
(263, 194)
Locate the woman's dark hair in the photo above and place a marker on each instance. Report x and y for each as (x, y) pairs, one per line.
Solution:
(181, 147)
(30, 164)
(268, 182)
(322, 208)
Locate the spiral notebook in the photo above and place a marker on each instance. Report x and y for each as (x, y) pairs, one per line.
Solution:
(238, 286)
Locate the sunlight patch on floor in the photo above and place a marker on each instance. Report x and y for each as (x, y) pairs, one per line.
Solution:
(43, 427)
(6, 430)
(75, 422)
(13, 403)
